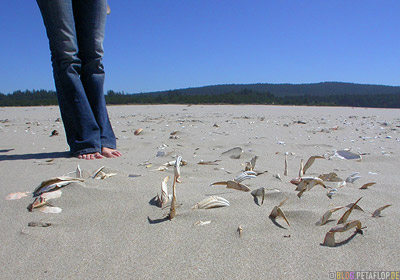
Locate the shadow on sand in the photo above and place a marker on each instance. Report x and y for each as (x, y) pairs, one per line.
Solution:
(51, 155)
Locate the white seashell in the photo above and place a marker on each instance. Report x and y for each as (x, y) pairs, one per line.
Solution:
(50, 209)
(78, 172)
(301, 170)
(245, 176)
(331, 192)
(211, 202)
(97, 172)
(164, 198)
(177, 168)
(201, 223)
(54, 184)
(277, 176)
(51, 195)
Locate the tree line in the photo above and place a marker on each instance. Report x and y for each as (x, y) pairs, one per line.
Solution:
(243, 96)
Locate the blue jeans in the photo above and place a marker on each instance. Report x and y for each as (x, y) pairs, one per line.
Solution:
(75, 29)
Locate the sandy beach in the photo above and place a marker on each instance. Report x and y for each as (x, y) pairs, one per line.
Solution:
(110, 229)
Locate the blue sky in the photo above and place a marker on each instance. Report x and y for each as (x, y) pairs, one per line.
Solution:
(161, 45)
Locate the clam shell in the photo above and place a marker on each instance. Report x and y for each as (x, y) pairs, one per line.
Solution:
(365, 186)
(51, 195)
(54, 184)
(346, 214)
(237, 186)
(211, 202)
(138, 131)
(50, 209)
(377, 212)
(310, 162)
(324, 219)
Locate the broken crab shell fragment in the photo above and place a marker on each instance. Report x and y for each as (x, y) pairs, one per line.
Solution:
(211, 202)
(377, 212)
(324, 219)
(329, 239)
(54, 184)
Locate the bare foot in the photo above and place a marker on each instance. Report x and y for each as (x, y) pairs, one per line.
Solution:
(91, 156)
(110, 153)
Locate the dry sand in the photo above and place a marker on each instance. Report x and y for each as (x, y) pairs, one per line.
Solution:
(109, 230)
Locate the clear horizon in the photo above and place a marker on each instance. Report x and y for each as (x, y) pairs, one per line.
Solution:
(157, 46)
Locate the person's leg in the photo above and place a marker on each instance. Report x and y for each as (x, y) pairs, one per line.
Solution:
(82, 131)
(90, 20)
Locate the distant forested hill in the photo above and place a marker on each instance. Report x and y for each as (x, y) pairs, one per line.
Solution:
(319, 94)
(279, 90)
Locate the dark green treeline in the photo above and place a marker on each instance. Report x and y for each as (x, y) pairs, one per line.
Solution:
(244, 96)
